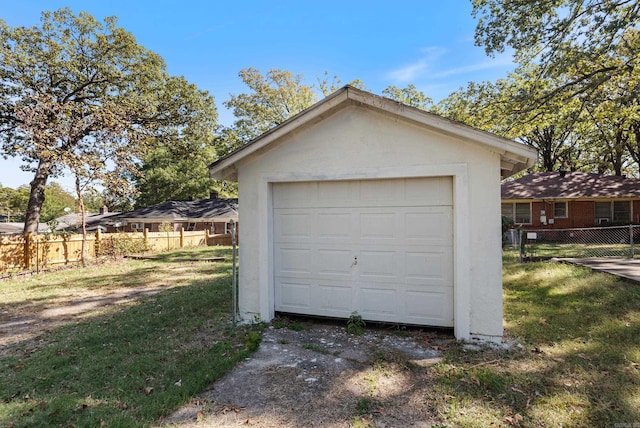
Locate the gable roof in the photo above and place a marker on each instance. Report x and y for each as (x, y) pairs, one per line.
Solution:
(514, 156)
(574, 184)
(176, 211)
(74, 220)
(18, 228)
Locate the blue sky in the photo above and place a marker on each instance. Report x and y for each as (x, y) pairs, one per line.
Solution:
(428, 43)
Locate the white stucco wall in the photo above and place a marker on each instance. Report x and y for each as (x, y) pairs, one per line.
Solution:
(360, 143)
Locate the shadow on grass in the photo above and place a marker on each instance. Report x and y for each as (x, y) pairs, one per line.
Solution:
(129, 367)
(128, 274)
(579, 362)
(194, 253)
(133, 367)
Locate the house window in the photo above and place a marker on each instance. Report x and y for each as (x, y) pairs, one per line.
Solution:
(603, 212)
(507, 210)
(523, 213)
(622, 211)
(560, 210)
(613, 212)
(519, 212)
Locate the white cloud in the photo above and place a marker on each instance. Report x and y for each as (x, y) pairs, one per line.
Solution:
(428, 66)
(499, 62)
(410, 72)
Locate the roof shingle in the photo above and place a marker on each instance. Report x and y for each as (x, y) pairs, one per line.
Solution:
(572, 185)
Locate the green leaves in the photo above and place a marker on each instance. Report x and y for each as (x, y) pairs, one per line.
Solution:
(86, 96)
(410, 96)
(273, 98)
(565, 37)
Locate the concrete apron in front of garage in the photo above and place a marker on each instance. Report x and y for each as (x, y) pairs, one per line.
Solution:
(622, 267)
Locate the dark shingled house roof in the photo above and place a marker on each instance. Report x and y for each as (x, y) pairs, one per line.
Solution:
(570, 185)
(201, 209)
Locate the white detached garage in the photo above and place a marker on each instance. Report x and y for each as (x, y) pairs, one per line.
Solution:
(360, 203)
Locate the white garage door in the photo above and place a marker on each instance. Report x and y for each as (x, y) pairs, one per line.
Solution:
(383, 248)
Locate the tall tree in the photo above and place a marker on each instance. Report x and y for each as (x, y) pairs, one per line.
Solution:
(566, 37)
(328, 87)
(56, 200)
(409, 95)
(173, 174)
(13, 202)
(75, 92)
(504, 107)
(272, 99)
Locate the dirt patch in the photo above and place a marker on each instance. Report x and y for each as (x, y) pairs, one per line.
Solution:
(28, 322)
(320, 376)
(324, 377)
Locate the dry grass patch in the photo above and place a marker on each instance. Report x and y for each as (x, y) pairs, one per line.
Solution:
(120, 365)
(575, 358)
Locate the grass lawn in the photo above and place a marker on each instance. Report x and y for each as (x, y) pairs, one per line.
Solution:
(126, 366)
(573, 361)
(577, 363)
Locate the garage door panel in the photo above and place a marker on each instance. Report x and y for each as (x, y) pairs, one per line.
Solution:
(336, 193)
(378, 301)
(429, 268)
(334, 261)
(335, 299)
(381, 192)
(400, 231)
(289, 225)
(290, 261)
(377, 225)
(325, 299)
(377, 264)
(302, 194)
(429, 306)
(429, 226)
(437, 190)
(334, 225)
(294, 295)
(364, 193)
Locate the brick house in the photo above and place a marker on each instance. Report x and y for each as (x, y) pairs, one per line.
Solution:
(563, 199)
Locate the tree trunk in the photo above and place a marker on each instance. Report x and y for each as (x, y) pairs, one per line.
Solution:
(36, 197)
(83, 215)
(617, 154)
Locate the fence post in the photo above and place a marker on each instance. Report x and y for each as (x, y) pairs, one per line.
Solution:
(96, 245)
(145, 239)
(182, 237)
(631, 241)
(27, 251)
(234, 280)
(521, 245)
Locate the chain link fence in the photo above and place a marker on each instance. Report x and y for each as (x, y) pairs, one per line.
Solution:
(613, 241)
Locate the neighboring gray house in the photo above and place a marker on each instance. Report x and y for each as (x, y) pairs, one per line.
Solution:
(213, 214)
(360, 203)
(18, 228)
(93, 221)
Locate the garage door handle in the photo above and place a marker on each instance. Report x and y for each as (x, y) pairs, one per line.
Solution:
(355, 262)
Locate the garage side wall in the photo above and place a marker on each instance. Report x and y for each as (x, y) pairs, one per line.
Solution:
(361, 143)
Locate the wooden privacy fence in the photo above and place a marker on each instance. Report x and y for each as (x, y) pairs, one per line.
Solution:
(36, 252)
